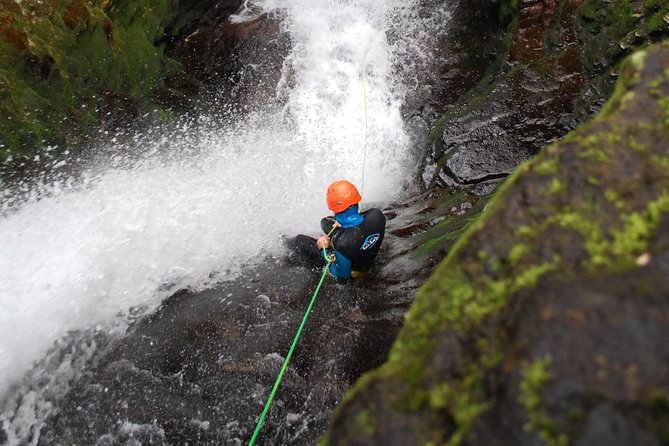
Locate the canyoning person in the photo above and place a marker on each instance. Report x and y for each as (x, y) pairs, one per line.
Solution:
(352, 239)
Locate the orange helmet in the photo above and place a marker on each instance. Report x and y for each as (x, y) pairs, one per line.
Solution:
(341, 195)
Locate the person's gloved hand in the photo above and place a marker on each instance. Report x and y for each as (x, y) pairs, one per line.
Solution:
(323, 242)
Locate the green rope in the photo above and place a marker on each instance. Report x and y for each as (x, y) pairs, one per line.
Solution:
(364, 155)
(285, 362)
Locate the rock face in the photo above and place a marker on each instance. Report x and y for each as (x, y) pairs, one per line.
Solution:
(233, 65)
(459, 56)
(545, 323)
(559, 66)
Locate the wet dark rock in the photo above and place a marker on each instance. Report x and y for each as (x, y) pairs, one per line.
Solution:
(607, 426)
(458, 59)
(508, 333)
(233, 64)
(200, 368)
(63, 60)
(525, 102)
(545, 324)
(192, 15)
(474, 29)
(556, 72)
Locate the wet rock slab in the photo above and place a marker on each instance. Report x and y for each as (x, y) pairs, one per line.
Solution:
(232, 63)
(200, 368)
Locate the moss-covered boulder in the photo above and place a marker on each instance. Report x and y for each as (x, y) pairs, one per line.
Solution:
(545, 324)
(560, 64)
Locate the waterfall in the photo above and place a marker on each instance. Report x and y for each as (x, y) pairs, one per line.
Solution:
(204, 201)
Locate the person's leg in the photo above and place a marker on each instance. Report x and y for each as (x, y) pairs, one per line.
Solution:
(305, 248)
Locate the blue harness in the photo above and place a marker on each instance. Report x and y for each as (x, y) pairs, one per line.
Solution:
(341, 267)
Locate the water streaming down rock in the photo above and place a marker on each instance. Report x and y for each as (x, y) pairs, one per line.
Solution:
(201, 204)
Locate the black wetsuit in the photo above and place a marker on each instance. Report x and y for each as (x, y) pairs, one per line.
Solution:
(356, 242)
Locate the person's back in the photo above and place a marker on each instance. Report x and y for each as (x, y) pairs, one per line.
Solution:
(359, 243)
(352, 239)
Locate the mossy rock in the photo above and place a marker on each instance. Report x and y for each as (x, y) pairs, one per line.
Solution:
(544, 323)
(62, 61)
(613, 29)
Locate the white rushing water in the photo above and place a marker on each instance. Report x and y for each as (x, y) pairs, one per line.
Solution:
(127, 234)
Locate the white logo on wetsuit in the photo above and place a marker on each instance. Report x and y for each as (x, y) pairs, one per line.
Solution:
(370, 241)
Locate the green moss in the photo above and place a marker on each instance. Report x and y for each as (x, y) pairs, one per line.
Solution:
(656, 23)
(594, 147)
(442, 236)
(464, 400)
(631, 240)
(612, 196)
(523, 237)
(535, 377)
(79, 52)
(575, 415)
(530, 276)
(508, 11)
(556, 186)
(628, 23)
(466, 306)
(517, 253)
(364, 422)
(548, 166)
(609, 31)
(443, 241)
(660, 161)
(638, 146)
(605, 22)
(658, 402)
(664, 103)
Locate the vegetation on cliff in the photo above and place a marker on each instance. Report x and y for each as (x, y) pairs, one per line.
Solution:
(67, 66)
(543, 321)
(557, 67)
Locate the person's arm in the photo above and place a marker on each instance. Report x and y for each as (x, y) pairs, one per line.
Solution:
(327, 223)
